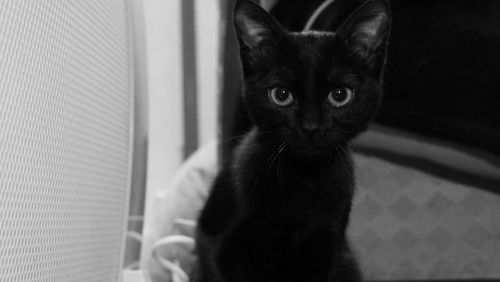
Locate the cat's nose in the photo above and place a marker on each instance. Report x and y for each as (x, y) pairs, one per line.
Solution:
(311, 130)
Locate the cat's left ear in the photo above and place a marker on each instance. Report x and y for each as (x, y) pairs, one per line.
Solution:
(254, 25)
(366, 31)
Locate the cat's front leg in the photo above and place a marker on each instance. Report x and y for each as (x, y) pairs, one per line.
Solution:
(241, 253)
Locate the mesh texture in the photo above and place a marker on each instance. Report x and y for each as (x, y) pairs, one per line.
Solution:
(64, 139)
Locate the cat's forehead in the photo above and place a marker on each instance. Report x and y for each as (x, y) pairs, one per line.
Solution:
(312, 41)
(313, 35)
(312, 47)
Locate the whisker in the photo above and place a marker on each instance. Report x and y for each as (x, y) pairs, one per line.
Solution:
(279, 167)
(231, 138)
(267, 165)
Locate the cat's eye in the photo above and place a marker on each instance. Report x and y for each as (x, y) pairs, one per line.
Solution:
(338, 97)
(281, 96)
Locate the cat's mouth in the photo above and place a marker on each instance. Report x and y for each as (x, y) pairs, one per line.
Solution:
(310, 150)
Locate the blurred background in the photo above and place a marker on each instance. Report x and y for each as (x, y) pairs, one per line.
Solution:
(178, 52)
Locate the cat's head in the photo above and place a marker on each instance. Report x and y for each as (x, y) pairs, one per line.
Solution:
(312, 90)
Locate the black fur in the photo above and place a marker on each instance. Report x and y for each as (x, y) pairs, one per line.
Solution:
(280, 210)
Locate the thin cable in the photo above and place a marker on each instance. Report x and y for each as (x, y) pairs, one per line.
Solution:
(172, 267)
(185, 222)
(134, 236)
(174, 239)
(167, 264)
(133, 266)
(316, 14)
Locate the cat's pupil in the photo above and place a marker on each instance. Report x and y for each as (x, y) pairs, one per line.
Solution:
(282, 94)
(340, 94)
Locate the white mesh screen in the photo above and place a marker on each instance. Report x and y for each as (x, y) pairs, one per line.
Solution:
(64, 139)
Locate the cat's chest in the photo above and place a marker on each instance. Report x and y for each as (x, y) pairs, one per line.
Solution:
(288, 189)
(272, 169)
(283, 237)
(291, 175)
(275, 247)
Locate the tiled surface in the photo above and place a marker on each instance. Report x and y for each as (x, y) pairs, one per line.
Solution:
(407, 224)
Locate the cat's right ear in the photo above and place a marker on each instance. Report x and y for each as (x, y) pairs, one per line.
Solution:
(366, 31)
(254, 26)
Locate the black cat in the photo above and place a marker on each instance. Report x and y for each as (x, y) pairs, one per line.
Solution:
(280, 210)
